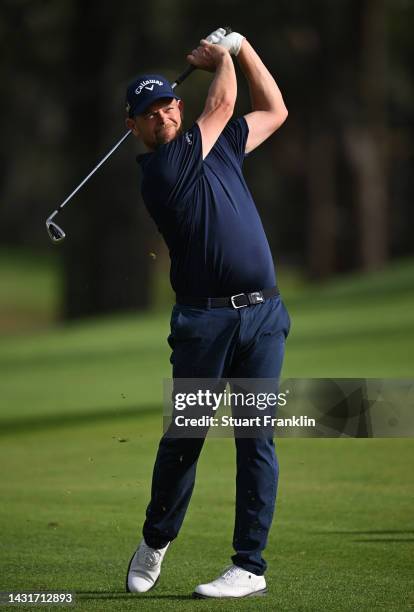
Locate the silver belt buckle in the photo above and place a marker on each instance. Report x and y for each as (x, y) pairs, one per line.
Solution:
(256, 297)
(233, 297)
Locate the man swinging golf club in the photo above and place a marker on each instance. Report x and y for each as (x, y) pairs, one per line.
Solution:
(229, 319)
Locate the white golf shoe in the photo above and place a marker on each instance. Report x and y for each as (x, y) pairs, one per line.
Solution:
(144, 568)
(234, 582)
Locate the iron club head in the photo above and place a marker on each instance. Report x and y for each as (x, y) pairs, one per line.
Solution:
(55, 232)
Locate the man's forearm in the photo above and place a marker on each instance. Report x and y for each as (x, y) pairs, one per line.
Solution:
(265, 95)
(223, 89)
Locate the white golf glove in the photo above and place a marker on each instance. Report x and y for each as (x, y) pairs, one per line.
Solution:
(232, 42)
(216, 36)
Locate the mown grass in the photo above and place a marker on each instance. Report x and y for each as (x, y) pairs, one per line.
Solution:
(74, 499)
(80, 422)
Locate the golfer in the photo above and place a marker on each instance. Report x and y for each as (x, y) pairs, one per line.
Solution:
(229, 320)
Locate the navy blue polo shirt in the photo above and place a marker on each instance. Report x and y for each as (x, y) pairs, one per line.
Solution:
(206, 214)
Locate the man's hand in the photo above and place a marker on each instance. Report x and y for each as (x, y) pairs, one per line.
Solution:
(232, 42)
(216, 36)
(207, 56)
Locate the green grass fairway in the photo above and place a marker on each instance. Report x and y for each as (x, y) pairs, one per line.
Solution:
(80, 419)
(74, 498)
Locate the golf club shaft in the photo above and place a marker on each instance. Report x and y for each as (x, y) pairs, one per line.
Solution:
(103, 160)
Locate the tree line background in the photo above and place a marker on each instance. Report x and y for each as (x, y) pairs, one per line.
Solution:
(334, 186)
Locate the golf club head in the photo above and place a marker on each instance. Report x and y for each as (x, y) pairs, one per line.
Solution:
(55, 232)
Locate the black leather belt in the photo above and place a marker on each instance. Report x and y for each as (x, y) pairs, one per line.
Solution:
(240, 300)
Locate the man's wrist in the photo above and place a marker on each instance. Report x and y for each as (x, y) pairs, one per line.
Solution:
(224, 59)
(243, 46)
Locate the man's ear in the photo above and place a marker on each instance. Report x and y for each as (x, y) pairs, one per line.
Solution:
(131, 125)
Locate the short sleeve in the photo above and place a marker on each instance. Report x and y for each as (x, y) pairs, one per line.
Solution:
(173, 170)
(236, 133)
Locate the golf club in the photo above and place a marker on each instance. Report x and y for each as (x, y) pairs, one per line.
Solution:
(55, 232)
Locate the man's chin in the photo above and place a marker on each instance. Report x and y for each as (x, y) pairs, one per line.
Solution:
(165, 136)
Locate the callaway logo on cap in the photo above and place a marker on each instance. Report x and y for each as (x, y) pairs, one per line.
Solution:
(144, 90)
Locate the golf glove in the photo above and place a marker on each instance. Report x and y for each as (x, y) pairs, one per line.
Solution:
(216, 36)
(232, 42)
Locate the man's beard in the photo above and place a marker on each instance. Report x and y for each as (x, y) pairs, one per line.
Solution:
(162, 138)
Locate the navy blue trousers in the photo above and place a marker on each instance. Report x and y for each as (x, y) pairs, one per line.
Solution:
(222, 343)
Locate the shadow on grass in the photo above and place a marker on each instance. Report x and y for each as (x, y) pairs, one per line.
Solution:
(382, 540)
(370, 532)
(373, 532)
(60, 421)
(127, 596)
(55, 359)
